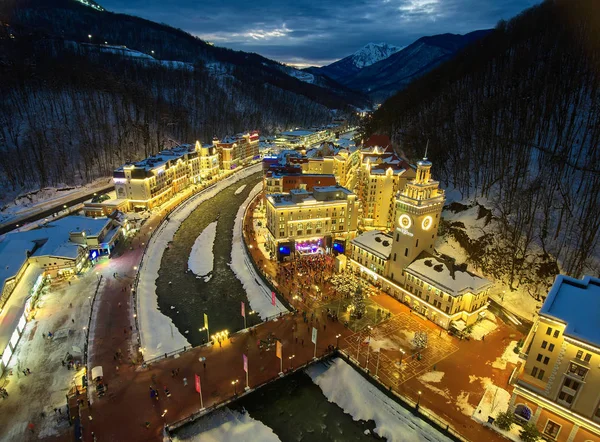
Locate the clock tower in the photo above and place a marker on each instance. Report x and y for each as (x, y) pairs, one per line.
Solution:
(418, 210)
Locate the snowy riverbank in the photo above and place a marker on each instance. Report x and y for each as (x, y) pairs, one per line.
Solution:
(158, 334)
(201, 258)
(257, 292)
(344, 386)
(226, 425)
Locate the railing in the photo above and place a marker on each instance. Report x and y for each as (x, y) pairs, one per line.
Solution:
(87, 334)
(161, 224)
(178, 424)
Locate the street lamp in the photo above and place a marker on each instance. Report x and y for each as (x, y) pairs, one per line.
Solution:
(90, 36)
(401, 355)
(418, 399)
(337, 341)
(290, 358)
(234, 383)
(90, 300)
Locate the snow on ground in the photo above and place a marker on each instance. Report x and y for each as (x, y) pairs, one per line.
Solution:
(494, 401)
(240, 189)
(45, 388)
(483, 328)
(158, 334)
(257, 292)
(344, 386)
(508, 356)
(462, 403)
(385, 343)
(432, 376)
(201, 257)
(226, 425)
(517, 301)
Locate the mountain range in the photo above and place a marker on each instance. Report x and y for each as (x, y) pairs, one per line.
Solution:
(380, 70)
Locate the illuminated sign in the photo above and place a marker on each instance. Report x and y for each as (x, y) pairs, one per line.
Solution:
(405, 232)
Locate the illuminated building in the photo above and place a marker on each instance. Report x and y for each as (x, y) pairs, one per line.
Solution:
(380, 176)
(307, 222)
(283, 181)
(151, 182)
(403, 263)
(558, 387)
(28, 258)
(237, 150)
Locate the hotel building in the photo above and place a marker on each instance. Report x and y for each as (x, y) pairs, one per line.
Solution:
(237, 150)
(379, 178)
(283, 181)
(302, 137)
(403, 262)
(151, 182)
(557, 388)
(307, 222)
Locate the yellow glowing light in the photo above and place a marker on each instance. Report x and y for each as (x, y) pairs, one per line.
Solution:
(427, 223)
(405, 221)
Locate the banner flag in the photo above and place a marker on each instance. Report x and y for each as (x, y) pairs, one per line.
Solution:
(278, 350)
(205, 321)
(198, 388)
(245, 363)
(243, 309)
(314, 336)
(273, 298)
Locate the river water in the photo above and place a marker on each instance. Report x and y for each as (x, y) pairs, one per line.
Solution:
(184, 297)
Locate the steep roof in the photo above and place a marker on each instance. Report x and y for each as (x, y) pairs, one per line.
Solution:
(375, 242)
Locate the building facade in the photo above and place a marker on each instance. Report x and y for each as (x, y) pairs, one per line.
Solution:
(307, 222)
(151, 182)
(403, 262)
(236, 151)
(557, 388)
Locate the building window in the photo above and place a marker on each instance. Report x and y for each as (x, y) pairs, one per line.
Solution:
(572, 384)
(540, 375)
(406, 252)
(534, 371)
(549, 331)
(556, 333)
(579, 354)
(587, 358)
(552, 429)
(539, 357)
(544, 344)
(394, 259)
(546, 360)
(551, 347)
(417, 244)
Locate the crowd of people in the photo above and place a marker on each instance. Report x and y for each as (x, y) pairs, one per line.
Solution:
(304, 274)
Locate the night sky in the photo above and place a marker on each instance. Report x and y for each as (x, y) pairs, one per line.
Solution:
(318, 32)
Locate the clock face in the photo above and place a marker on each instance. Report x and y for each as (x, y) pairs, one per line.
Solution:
(427, 223)
(405, 221)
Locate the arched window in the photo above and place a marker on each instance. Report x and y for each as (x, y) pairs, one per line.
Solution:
(523, 411)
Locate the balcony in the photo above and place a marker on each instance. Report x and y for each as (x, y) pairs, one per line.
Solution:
(576, 371)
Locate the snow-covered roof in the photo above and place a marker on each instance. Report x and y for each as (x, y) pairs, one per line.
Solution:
(443, 274)
(575, 302)
(375, 242)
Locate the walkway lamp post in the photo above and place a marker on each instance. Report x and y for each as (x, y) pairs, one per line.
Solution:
(401, 355)
(234, 383)
(291, 358)
(418, 400)
(337, 341)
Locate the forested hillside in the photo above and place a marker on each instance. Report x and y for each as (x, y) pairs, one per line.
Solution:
(70, 110)
(515, 121)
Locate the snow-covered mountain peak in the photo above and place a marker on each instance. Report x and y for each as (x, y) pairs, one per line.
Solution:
(372, 53)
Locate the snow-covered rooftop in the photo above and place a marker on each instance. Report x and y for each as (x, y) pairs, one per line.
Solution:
(575, 302)
(444, 275)
(375, 242)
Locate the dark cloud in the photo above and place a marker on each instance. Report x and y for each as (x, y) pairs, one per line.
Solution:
(319, 31)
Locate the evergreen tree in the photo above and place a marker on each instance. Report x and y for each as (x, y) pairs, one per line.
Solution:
(358, 304)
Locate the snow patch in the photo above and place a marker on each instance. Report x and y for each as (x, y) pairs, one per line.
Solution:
(462, 403)
(240, 189)
(226, 425)
(201, 258)
(158, 334)
(257, 292)
(508, 356)
(345, 387)
(432, 376)
(483, 328)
